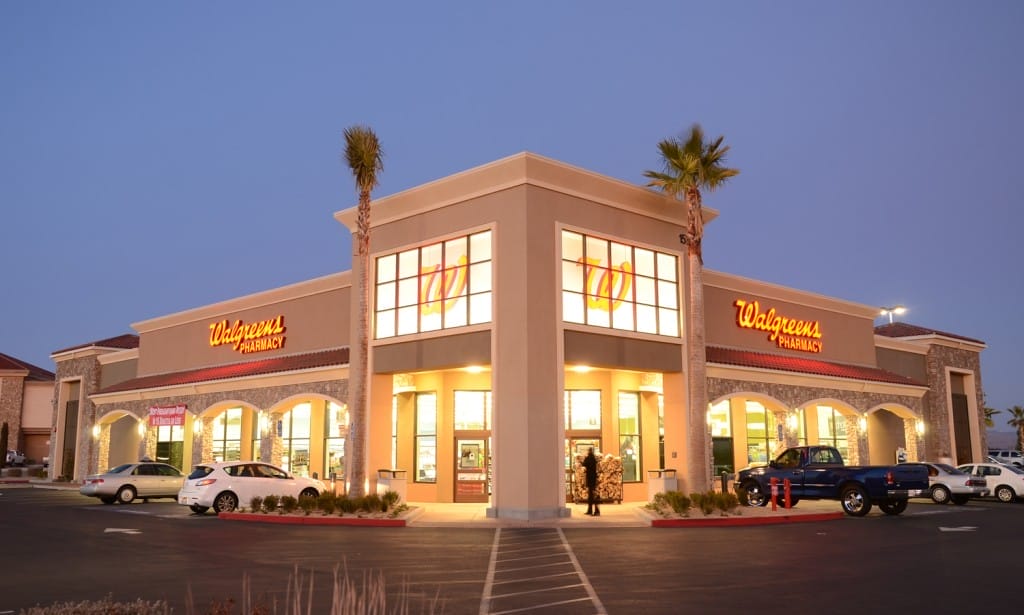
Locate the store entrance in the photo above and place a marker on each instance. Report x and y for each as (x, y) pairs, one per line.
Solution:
(575, 482)
(473, 468)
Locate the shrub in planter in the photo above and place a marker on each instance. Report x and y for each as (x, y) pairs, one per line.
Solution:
(347, 505)
(678, 502)
(389, 500)
(288, 504)
(256, 504)
(371, 503)
(742, 496)
(327, 502)
(270, 503)
(726, 502)
(307, 503)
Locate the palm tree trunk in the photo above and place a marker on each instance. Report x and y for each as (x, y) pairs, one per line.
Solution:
(356, 454)
(698, 463)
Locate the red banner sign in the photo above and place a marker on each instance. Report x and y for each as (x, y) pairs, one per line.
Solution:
(163, 416)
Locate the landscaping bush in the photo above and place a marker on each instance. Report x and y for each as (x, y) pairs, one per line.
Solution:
(389, 500)
(347, 505)
(307, 503)
(726, 502)
(371, 502)
(288, 504)
(256, 504)
(270, 503)
(106, 606)
(327, 502)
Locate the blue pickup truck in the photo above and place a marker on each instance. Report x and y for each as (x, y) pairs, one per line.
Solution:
(818, 473)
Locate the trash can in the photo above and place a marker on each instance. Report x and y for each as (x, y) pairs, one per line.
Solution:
(660, 481)
(390, 479)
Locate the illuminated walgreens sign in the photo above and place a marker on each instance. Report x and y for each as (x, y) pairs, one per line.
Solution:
(252, 337)
(607, 288)
(788, 333)
(440, 286)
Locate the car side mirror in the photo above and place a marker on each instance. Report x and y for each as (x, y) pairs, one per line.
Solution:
(773, 464)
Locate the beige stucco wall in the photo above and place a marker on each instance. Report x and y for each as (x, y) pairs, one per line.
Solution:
(847, 329)
(316, 317)
(38, 405)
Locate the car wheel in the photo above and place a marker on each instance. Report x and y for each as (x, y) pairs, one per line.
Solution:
(960, 500)
(855, 501)
(108, 499)
(940, 495)
(126, 494)
(196, 508)
(893, 507)
(225, 502)
(1005, 493)
(309, 492)
(755, 496)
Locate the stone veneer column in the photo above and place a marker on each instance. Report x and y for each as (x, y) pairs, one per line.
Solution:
(11, 400)
(103, 449)
(150, 449)
(270, 443)
(856, 442)
(914, 444)
(205, 441)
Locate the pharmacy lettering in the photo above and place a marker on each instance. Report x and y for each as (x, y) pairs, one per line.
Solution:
(164, 416)
(252, 337)
(788, 333)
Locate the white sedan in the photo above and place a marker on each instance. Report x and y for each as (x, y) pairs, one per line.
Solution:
(223, 485)
(948, 484)
(1005, 482)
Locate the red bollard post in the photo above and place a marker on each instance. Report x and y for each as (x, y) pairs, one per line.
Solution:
(785, 490)
(775, 492)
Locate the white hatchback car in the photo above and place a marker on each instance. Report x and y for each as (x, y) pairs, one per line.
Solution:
(223, 485)
(1005, 482)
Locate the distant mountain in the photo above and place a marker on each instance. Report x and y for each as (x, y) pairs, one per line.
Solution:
(1002, 439)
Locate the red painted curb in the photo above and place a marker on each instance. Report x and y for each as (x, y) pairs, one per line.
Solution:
(745, 521)
(311, 520)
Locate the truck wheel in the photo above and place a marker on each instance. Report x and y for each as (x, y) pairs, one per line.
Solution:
(755, 496)
(855, 501)
(940, 495)
(893, 507)
(960, 500)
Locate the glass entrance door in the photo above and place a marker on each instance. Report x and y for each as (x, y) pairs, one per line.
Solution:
(472, 469)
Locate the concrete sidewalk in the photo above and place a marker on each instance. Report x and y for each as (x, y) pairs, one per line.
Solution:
(634, 514)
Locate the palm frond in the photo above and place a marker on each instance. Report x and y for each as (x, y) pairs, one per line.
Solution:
(363, 156)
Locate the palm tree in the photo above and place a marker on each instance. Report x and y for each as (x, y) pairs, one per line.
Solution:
(691, 165)
(989, 413)
(1017, 422)
(365, 159)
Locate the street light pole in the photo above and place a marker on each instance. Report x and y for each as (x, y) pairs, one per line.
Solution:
(889, 311)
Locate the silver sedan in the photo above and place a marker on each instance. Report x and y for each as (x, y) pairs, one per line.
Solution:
(131, 481)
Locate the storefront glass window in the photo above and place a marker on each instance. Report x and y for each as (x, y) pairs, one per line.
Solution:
(295, 439)
(335, 432)
(227, 435)
(582, 410)
(170, 444)
(832, 430)
(438, 286)
(426, 438)
(722, 452)
(762, 433)
(661, 430)
(618, 286)
(472, 410)
(629, 436)
(394, 431)
(258, 425)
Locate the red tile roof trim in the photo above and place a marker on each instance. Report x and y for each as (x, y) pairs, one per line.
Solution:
(902, 329)
(800, 365)
(123, 342)
(325, 358)
(34, 373)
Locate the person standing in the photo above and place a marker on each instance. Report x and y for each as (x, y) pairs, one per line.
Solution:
(590, 465)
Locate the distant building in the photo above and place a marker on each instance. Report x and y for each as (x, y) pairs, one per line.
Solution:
(26, 401)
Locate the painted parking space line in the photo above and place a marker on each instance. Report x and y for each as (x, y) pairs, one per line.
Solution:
(535, 570)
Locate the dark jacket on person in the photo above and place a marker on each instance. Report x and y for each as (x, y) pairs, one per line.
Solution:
(590, 465)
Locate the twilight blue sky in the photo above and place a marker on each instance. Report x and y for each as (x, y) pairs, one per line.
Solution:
(156, 157)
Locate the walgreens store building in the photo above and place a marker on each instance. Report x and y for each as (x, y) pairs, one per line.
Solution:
(521, 312)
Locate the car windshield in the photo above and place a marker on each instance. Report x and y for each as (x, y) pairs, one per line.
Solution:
(120, 468)
(1013, 469)
(200, 472)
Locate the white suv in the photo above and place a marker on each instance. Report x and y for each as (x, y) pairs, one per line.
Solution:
(1007, 457)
